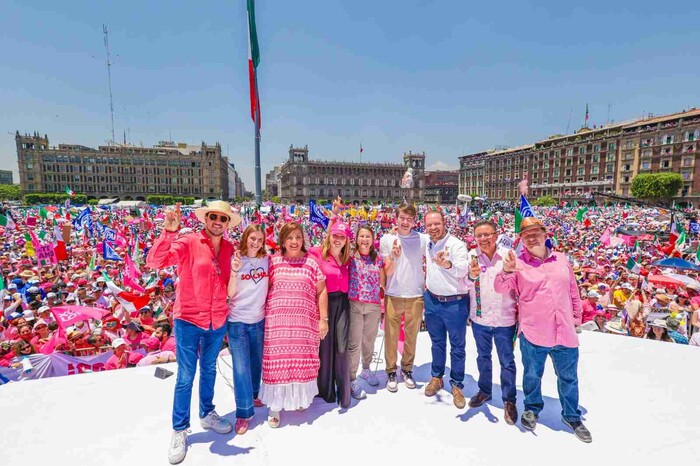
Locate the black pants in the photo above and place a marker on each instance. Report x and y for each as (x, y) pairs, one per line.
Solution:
(334, 373)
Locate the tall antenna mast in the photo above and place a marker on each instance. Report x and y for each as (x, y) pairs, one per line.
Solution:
(109, 77)
(568, 125)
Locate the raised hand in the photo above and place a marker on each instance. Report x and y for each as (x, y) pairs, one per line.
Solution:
(509, 262)
(396, 250)
(236, 262)
(474, 269)
(173, 218)
(337, 204)
(442, 259)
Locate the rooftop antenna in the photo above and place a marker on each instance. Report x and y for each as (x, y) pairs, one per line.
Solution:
(109, 77)
(609, 105)
(568, 125)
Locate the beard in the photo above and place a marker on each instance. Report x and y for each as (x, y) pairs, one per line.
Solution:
(213, 234)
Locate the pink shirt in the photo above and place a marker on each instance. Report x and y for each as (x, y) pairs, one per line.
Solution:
(337, 276)
(589, 311)
(201, 293)
(497, 310)
(169, 345)
(549, 301)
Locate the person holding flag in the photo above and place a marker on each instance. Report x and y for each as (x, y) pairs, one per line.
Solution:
(200, 312)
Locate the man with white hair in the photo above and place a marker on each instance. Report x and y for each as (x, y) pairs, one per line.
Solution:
(590, 305)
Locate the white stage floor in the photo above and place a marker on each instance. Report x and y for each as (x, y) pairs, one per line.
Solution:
(639, 400)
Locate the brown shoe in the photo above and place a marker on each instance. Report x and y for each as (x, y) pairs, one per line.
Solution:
(479, 399)
(458, 397)
(510, 413)
(434, 386)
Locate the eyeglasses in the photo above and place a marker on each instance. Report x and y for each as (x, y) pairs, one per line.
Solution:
(215, 217)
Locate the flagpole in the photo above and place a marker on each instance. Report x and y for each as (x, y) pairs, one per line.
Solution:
(258, 182)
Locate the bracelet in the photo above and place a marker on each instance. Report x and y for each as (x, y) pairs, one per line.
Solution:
(324, 318)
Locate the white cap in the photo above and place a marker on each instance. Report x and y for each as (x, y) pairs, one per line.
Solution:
(118, 342)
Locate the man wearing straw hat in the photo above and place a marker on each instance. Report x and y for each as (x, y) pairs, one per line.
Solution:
(204, 266)
(549, 313)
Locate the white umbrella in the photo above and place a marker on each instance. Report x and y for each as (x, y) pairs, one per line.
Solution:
(685, 279)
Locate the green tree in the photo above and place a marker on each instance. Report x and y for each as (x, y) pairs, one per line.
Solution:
(545, 201)
(10, 192)
(656, 186)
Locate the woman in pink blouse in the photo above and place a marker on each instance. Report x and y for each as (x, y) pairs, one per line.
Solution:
(333, 257)
(367, 277)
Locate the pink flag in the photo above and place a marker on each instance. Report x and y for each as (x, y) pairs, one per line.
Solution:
(131, 275)
(605, 237)
(67, 315)
(31, 221)
(629, 240)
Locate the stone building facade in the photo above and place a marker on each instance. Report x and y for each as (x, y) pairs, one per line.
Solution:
(122, 171)
(606, 159)
(441, 187)
(302, 179)
(6, 177)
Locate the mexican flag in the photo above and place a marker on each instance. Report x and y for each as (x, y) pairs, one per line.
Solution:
(632, 266)
(253, 61)
(59, 246)
(6, 222)
(680, 242)
(129, 301)
(675, 232)
(70, 192)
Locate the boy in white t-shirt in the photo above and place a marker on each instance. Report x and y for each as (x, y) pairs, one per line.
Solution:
(404, 259)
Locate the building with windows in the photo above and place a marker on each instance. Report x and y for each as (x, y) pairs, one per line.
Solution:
(122, 171)
(605, 159)
(272, 182)
(441, 187)
(236, 188)
(6, 177)
(302, 179)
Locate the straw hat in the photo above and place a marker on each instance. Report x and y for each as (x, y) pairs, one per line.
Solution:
(529, 223)
(221, 207)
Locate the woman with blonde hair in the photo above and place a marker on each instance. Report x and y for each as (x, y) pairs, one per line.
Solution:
(296, 317)
(333, 257)
(247, 291)
(367, 278)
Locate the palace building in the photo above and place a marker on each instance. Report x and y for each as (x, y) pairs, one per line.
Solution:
(302, 179)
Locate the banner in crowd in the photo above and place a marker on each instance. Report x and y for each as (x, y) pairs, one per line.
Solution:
(56, 365)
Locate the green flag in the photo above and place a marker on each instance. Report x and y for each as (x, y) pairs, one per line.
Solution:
(2, 283)
(43, 213)
(580, 213)
(518, 220)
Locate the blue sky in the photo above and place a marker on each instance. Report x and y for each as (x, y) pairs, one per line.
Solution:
(444, 77)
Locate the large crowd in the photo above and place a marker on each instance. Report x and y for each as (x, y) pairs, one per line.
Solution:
(142, 270)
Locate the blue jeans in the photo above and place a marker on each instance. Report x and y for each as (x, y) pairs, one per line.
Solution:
(566, 368)
(445, 320)
(485, 336)
(245, 342)
(194, 343)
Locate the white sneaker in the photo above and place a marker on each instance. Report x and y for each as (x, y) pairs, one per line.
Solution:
(178, 447)
(356, 391)
(216, 423)
(370, 377)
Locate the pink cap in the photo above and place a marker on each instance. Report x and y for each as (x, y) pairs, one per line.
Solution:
(341, 228)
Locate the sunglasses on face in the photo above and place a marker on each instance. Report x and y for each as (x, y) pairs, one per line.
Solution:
(220, 217)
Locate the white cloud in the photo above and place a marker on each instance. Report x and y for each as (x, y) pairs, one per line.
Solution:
(440, 165)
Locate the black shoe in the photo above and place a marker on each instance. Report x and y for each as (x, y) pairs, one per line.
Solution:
(391, 384)
(529, 420)
(580, 431)
(479, 399)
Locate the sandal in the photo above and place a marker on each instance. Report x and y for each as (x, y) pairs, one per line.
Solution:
(273, 419)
